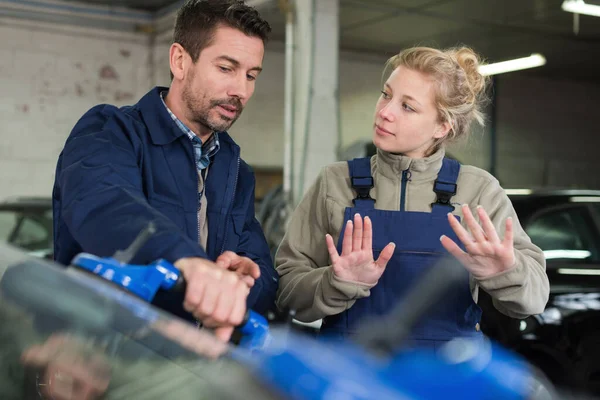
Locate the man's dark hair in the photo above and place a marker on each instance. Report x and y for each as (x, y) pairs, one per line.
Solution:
(197, 21)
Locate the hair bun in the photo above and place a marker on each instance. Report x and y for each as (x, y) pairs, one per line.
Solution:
(469, 61)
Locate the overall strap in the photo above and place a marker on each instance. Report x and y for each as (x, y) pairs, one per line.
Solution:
(362, 182)
(445, 186)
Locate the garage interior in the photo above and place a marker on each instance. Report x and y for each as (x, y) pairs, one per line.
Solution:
(314, 105)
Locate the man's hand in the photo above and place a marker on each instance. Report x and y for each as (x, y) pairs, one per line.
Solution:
(70, 371)
(215, 296)
(244, 267)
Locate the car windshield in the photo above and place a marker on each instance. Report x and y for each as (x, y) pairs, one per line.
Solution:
(30, 230)
(57, 319)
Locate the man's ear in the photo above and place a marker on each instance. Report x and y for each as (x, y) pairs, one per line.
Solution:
(178, 61)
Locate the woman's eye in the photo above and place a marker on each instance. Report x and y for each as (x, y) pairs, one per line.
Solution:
(408, 108)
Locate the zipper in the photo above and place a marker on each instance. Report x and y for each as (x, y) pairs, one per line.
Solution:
(237, 174)
(405, 179)
(198, 213)
(423, 253)
(420, 252)
(198, 323)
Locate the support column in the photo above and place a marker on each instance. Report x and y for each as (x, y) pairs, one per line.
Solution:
(315, 136)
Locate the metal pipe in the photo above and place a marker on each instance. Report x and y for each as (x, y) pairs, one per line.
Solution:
(493, 127)
(288, 133)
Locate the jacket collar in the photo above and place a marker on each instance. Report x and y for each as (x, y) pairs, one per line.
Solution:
(391, 165)
(163, 130)
(161, 127)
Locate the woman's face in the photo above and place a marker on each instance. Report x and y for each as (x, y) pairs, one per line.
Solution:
(406, 117)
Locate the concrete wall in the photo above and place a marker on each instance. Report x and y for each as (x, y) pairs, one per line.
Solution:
(50, 75)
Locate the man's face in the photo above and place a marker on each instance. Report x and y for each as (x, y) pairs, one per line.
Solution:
(218, 86)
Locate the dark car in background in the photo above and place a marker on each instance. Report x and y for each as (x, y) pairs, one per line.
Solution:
(26, 222)
(564, 341)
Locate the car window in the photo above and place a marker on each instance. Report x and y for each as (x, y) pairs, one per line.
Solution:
(8, 220)
(31, 231)
(31, 234)
(565, 234)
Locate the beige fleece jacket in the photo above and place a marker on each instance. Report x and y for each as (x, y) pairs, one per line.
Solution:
(307, 283)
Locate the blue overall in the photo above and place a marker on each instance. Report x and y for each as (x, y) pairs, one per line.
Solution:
(418, 246)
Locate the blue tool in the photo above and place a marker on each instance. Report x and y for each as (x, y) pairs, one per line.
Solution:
(374, 365)
(146, 280)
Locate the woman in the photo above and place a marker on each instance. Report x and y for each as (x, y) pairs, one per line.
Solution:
(400, 209)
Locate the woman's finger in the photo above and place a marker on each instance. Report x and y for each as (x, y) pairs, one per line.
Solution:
(347, 241)
(333, 253)
(367, 243)
(508, 233)
(488, 226)
(460, 231)
(454, 249)
(357, 235)
(474, 227)
(386, 255)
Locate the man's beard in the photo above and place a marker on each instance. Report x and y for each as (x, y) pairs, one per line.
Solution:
(200, 113)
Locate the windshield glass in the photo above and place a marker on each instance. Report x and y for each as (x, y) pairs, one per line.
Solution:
(62, 329)
(30, 230)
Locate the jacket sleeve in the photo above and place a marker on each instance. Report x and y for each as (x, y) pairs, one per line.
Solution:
(307, 282)
(102, 196)
(254, 246)
(524, 289)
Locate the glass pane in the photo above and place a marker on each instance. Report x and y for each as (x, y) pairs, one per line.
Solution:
(564, 234)
(57, 323)
(31, 235)
(8, 219)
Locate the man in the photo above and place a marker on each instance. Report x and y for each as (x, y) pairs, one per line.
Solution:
(168, 159)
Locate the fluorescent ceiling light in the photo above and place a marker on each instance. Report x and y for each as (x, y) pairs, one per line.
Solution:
(518, 192)
(579, 7)
(570, 254)
(569, 271)
(534, 60)
(585, 199)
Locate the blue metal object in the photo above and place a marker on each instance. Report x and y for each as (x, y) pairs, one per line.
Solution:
(303, 368)
(142, 280)
(146, 280)
(255, 332)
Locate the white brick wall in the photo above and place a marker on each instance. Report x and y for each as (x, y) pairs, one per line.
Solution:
(51, 75)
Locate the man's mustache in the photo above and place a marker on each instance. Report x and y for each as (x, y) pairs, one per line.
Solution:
(234, 102)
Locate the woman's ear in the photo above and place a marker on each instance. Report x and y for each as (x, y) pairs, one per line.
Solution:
(442, 130)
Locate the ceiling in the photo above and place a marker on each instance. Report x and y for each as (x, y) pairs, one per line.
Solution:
(142, 5)
(498, 29)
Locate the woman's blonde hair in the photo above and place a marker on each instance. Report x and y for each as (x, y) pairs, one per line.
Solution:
(460, 92)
